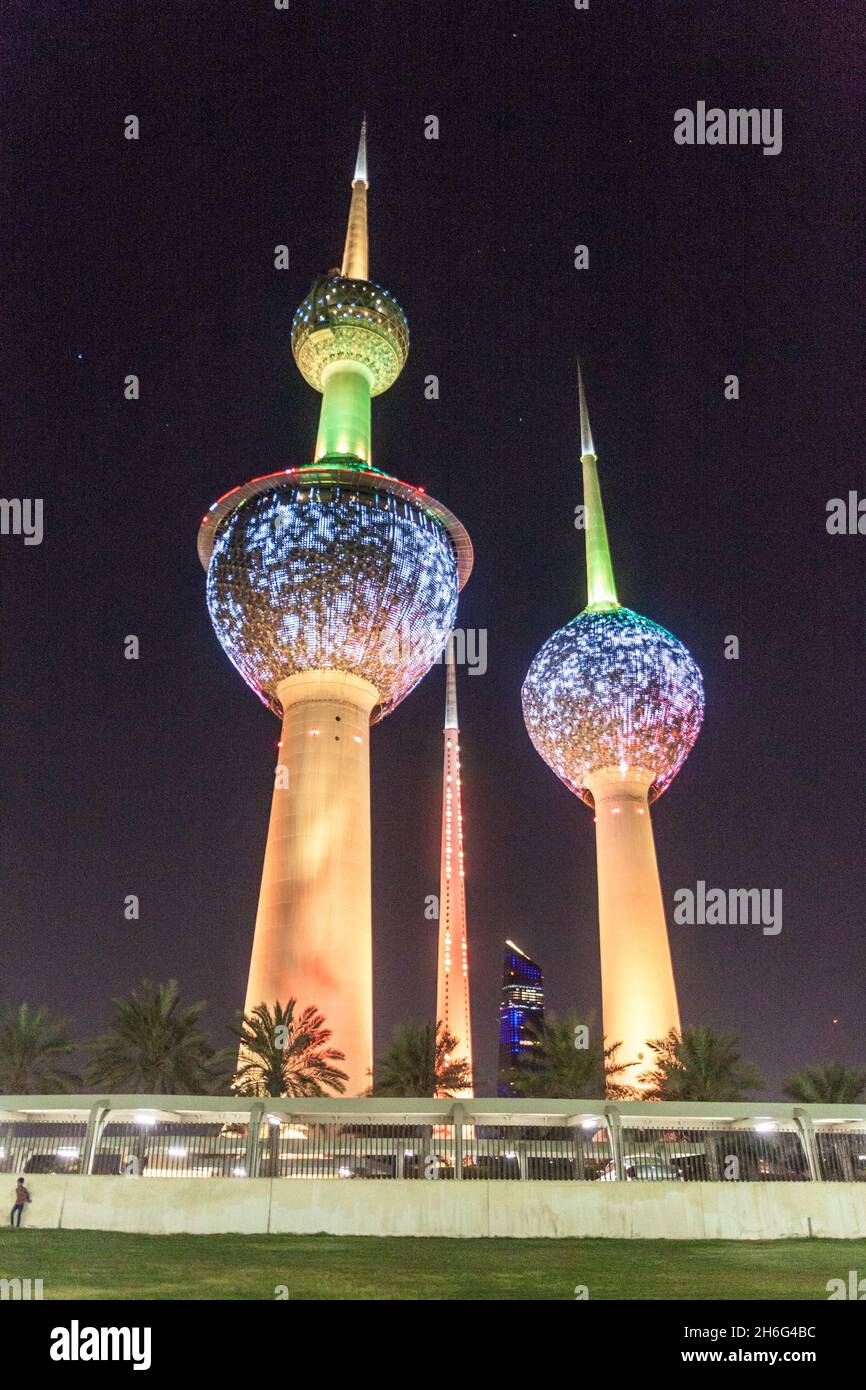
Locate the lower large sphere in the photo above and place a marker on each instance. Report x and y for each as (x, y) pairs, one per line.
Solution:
(613, 689)
(310, 577)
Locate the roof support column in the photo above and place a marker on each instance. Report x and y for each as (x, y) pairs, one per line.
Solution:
(93, 1133)
(806, 1131)
(614, 1133)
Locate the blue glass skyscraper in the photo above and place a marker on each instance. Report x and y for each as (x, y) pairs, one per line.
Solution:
(522, 1005)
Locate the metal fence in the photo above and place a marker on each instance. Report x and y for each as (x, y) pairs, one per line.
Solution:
(410, 1140)
(841, 1152)
(577, 1150)
(41, 1146)
(748, 1151)
(300, 1148)
(169, 1150)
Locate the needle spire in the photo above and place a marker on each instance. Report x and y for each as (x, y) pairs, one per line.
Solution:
(600, 587)
(587, 448)
(355, 254)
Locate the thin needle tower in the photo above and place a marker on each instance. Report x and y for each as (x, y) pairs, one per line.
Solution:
(452, 987)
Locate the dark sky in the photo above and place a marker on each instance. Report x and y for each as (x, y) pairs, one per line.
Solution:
(556, 128)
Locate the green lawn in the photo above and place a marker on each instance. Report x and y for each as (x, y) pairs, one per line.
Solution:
(106, 1265)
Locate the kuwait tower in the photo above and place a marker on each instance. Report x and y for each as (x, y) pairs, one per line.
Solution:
(332, 587)
(613, 703)
(452, 978)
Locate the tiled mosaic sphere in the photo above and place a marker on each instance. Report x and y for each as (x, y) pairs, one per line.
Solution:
(334, 577)
(613, 689)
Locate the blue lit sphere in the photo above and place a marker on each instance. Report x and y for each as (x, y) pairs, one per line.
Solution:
(612, 689)
(332, 577)
(355, 320)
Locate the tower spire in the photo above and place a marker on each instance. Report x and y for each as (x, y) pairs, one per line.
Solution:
(450, 686)
(586, 445)
(355, 252)
(361, 161)
(600, 587)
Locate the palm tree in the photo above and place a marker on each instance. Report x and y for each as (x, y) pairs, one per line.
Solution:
(826, 1082)
(555, 1067)
(417, 1062)
(154, 1045)
(31, 1045)
(698, 1064)
(286, 1056)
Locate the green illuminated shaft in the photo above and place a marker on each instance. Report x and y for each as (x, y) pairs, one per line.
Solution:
(600, 587)
(344, 421)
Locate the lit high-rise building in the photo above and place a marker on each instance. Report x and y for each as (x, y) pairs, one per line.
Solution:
(332, 587)
(613, 703)
(452, 987)
(521, 1011)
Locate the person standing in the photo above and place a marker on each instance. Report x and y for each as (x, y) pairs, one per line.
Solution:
(22, 1196)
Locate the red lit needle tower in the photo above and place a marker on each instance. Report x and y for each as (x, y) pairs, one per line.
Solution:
(452, 985)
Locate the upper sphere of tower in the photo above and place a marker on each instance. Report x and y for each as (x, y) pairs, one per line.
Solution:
(343, 320)
(613, 690)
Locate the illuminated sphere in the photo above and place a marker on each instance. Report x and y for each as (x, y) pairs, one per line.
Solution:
(350, 320)
(347, 576)
(613, 689)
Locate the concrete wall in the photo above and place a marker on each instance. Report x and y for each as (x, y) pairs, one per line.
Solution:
(689, 1211)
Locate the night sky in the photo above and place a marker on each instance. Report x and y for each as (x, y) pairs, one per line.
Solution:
(156, 257)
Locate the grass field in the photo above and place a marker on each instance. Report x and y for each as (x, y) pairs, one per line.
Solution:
(105, 1265)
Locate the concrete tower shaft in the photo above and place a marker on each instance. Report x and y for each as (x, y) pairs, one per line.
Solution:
(639, 999)
(313, 936)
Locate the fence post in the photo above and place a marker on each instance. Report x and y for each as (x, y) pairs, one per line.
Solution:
(251, 1158)
(803, 1122)
(614, 1132)
(93, 1133)
(457, 1121)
